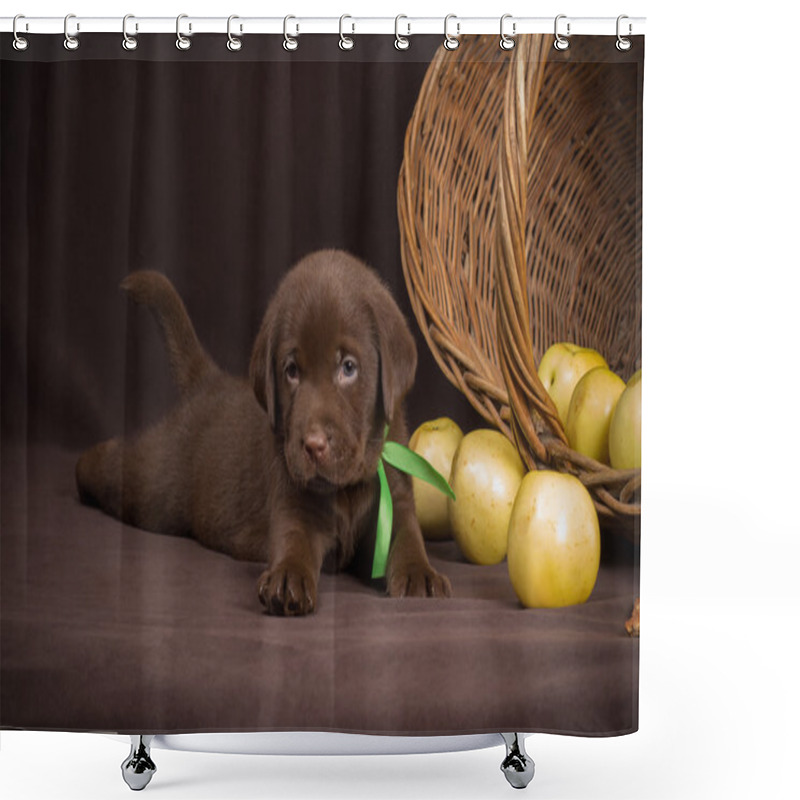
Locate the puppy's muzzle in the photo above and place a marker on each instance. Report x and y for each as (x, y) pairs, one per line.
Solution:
(317, 446)
(321, 459)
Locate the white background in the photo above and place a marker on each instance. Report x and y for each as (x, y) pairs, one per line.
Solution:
(721, 606)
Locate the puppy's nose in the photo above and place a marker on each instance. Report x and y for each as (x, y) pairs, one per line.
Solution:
(315, 443)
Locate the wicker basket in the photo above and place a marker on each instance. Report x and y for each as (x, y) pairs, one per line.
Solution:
(520, 227)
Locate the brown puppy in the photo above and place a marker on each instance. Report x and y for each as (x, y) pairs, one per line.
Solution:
(282, 470)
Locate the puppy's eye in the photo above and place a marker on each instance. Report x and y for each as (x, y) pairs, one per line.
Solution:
(292, 372)
(348, 370)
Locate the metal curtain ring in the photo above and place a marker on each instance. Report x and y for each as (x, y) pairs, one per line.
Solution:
(346, 42)
(129, 42)
(450, 41)
(623, 44)
(234, 42)
(182, 42)
(401, 42)
(289, 42)
(560, 43)
(506, 41)
(20, 42)
(70, 42)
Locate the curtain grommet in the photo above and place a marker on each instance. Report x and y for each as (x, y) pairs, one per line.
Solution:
(182, 42)
(401, 42)
(20, 43)
(290, 43)
(507, 41)
(234, 43)
(623, 44)
(561, 42)
(71, 42)
(451, 41)
(129, 42)
(346, 42)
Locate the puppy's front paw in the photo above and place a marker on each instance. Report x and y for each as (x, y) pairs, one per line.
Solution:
(287, 590)
(417, 580)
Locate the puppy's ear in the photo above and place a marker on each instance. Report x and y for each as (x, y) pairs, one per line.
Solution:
(262, 368)
(397, 349)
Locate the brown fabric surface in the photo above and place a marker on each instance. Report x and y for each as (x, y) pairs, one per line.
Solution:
(106, 627)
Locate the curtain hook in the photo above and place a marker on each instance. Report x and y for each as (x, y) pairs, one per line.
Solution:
(450, 41)
(234, 42)
(623, 44)
(182, 42)
(561, 43)
(20, 42)
(289, 42)
(346, 42)
(71, 42)
(507, 42)
(129, 42)
(401, 42)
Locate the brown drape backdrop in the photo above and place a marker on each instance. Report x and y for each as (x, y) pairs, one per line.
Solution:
(219, 171)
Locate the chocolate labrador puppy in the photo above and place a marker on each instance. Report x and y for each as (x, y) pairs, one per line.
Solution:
(283, 469)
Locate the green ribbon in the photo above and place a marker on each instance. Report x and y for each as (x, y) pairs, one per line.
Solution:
(405, 460)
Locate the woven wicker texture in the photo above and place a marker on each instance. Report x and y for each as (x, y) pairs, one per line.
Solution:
(520, 227)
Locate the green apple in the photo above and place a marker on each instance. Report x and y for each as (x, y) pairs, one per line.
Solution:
(553, 541)
(625, 432)
(487, 471)
(560, 369)
(590, 410)
(436, 441)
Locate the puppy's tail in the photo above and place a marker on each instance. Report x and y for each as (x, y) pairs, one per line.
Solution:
(189, 362)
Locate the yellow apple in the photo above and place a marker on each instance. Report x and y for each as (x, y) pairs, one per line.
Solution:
(436, 441)
(560, 369)
(553, 541)
(625, 432)
(486, 474)
(590, 410)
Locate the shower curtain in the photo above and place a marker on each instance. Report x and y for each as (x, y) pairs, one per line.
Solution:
(220, 170)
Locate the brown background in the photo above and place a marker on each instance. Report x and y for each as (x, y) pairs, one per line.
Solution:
(220, 174)
(221, 170)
